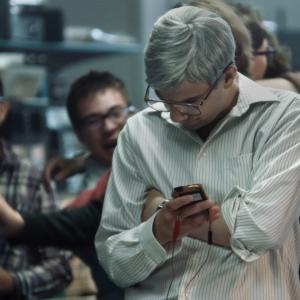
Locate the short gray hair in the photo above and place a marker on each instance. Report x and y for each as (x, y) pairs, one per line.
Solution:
(188, 44)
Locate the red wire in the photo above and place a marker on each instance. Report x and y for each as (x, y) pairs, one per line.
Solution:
(176, 230)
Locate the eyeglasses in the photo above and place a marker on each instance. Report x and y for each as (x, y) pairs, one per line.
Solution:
(117, 115)
(268, 52)
(183, 107)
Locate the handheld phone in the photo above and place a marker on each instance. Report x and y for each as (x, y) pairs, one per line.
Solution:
(198, 193)
(196, 190)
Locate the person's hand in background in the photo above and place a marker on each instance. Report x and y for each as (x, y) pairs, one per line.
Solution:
(6, 283)
(58, 169)
(11, 222)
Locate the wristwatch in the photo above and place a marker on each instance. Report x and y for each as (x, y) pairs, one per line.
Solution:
(162, 204)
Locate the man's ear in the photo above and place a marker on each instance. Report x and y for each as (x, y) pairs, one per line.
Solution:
(229, 76)
(4, 109)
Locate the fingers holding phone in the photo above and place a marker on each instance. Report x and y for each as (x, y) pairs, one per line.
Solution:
(191, 206)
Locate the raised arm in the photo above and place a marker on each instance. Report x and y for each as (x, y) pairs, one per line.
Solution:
(58, 169)
(67, 228)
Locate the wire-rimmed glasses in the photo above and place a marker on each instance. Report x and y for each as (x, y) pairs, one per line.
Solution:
(269, 52)
(152, 100)
(116, 115)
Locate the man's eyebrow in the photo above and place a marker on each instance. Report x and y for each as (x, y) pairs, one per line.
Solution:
(187, 100)
(194, 98)
(95, 114)
(92, 115)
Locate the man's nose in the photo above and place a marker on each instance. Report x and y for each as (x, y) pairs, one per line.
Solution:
(109, 125)
(177, 115)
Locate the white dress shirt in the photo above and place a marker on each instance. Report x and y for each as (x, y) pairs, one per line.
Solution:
(249, 165)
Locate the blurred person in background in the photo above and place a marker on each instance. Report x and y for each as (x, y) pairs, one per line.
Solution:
(258, 52)
(98, 108)
(271, 62)
(26, 272)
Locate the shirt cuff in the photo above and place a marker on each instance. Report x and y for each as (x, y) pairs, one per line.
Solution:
(150, 244)
(230, 209)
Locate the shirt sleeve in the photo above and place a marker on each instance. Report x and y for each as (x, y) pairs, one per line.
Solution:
(127, 248)
(261, 218)
(66, 228)
(49, 271)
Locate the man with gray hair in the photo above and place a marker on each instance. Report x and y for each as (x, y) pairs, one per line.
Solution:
(206, 123)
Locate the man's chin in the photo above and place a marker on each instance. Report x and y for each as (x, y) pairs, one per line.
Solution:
(195, 125)
(192, 127)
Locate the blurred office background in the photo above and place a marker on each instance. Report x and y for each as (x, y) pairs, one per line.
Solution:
(45, 46)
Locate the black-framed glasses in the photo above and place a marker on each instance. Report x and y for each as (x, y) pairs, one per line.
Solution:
(116, 114)
(269, 52)
(191, 109)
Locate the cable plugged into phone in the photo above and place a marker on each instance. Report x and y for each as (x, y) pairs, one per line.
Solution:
(176, 230)
(209, 235)
(198, 193)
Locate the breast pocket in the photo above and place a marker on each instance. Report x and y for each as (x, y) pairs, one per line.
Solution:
(239, 170)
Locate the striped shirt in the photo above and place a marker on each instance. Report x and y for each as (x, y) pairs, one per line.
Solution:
(249, 165)
(37, 272)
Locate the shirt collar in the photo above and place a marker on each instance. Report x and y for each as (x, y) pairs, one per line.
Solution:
(250, 93)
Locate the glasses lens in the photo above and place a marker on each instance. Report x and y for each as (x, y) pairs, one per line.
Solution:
(91, 123)
(158, 105)
(269, 52)
(117, 114)
(152, 95)
(155, 102)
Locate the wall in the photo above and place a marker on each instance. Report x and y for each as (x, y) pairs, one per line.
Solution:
(285, 13)
(111, 16)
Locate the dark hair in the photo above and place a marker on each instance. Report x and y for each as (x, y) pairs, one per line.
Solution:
(280, 62)
(258, 33)
(87, 85)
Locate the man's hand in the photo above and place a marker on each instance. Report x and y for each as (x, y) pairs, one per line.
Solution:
(221, 235)
(6, 283)
(11, 222)
(191, 217)
(58, 169)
